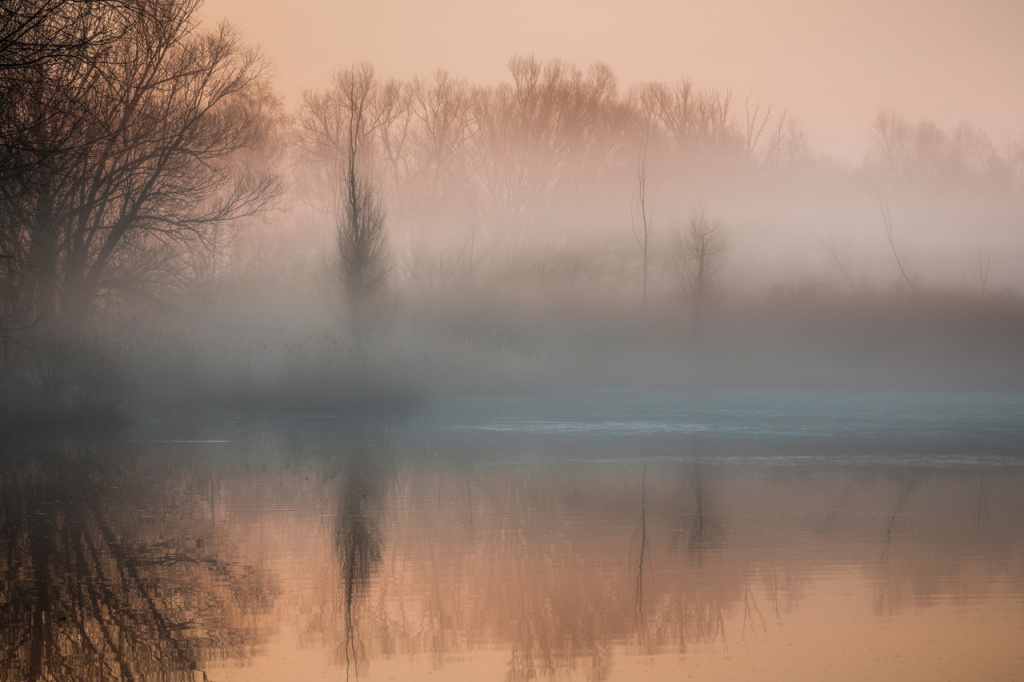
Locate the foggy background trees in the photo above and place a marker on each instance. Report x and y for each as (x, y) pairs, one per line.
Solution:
(155, 193)
(699, 252)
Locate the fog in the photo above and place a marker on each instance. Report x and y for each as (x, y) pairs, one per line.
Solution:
(564, 339)
(357, 235)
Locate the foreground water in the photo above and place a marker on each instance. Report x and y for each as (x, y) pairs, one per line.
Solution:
(598, 535)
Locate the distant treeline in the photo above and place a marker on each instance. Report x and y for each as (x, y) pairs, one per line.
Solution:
(148, 167)
(132, 140)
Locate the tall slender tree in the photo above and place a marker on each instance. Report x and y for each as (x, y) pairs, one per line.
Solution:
(338, 128)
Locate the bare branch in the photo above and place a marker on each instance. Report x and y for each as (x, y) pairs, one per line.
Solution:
(835, 257)
(887, 220)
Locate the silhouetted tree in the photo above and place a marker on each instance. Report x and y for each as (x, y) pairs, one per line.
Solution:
(338, 127)
(133, 167)
(699, 253)
(642, 234)
(362, 241)
(47, 47)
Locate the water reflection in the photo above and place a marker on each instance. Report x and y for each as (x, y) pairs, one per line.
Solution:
(315, 551)
(566, 567)
(358, 539)
(113, 568)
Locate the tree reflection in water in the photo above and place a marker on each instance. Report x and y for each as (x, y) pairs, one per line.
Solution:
(113, 569)
(357, 537)
(520, 560)
(705, 527)
(528, 558)
(116, 563)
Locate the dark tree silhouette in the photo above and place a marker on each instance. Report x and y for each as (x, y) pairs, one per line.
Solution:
(338, 128)
(45, 47)
(128, 160)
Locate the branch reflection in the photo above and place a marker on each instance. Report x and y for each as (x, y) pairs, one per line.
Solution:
(114, 570)
(528, 558)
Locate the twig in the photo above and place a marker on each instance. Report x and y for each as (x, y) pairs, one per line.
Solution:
(835, 256)
(892, 245)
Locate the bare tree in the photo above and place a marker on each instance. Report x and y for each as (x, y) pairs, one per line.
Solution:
(690, 119)
(47, 50)
(37, 32)
(338, 128)
(756, 121)
(394, 153)
(920, 155)
(362, 241)
(543, 139)
(133, 174)
(362, 248)
(984, 263)
(699, 253)
(786, 147)
(44, 43)
(642, 234)
(889, 236)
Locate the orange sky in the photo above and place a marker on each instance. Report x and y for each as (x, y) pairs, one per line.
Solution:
(832, 64)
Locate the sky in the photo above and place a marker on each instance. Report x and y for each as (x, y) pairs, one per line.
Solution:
(831, 65)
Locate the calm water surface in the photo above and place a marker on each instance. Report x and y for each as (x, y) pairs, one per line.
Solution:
(584, 535)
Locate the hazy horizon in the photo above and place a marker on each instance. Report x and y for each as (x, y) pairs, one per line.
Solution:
(575, 340)
(351, 221)
(831, 68)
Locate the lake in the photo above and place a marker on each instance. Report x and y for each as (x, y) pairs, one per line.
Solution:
(587, 534)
